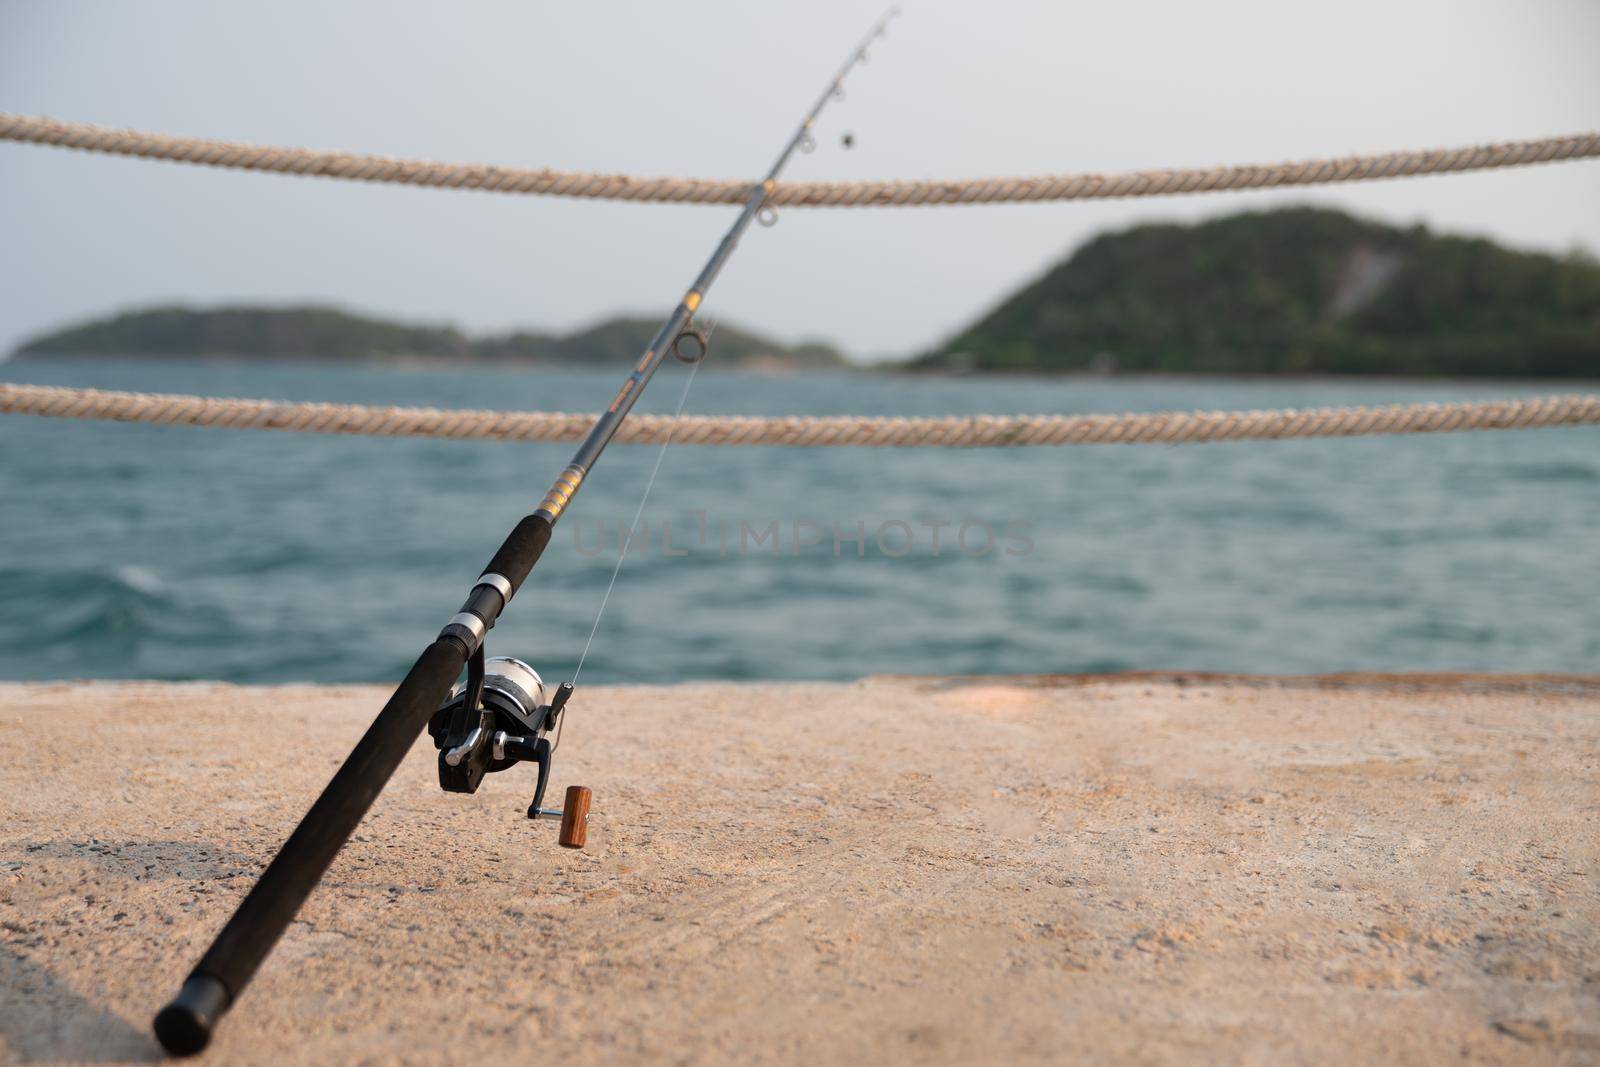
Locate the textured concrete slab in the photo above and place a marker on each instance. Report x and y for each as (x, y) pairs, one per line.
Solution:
(1137, 869)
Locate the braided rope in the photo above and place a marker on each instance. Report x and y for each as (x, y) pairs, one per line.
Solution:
(975, 431)
(589, 185)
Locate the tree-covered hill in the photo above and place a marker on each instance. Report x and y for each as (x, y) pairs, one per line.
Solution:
(303, 332)
(328, 333)
(622, 339)
(1301, 290)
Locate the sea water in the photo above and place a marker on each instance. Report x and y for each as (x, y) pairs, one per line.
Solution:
(130, 551)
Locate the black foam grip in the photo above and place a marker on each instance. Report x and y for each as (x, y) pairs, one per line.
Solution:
(521, 550)
(271, 905)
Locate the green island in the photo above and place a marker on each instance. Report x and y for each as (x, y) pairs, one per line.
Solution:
(1294, 291)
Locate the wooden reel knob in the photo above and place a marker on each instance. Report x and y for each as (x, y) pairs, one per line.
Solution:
(575, 816)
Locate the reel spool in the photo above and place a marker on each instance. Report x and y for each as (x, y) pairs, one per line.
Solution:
(497, 718)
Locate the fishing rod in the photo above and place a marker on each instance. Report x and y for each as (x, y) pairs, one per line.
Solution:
(499, 716)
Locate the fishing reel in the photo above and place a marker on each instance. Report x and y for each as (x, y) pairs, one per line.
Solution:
(497, 719)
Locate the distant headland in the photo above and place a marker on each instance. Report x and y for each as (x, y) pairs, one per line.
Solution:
(1294, 291)
(327, 333)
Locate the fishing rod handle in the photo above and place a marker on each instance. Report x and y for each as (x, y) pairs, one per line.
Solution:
(184, 1026)
(519, 552)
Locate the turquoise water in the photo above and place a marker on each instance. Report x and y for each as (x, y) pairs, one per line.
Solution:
(176, 553)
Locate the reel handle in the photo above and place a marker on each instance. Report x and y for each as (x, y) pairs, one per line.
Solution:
(533, 752)
(575, 816)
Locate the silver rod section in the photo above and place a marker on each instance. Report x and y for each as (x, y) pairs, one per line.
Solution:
(583, 461)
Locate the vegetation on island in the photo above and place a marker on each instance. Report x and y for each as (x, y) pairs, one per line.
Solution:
(1302, 290)
(324, 333)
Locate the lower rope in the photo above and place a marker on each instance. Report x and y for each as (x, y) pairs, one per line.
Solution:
(967, 431)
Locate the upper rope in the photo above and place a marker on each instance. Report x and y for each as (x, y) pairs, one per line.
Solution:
(597, 186)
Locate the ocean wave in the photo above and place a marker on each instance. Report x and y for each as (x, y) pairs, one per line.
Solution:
(109, 614)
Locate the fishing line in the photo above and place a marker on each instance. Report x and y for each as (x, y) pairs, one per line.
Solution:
(694, 369)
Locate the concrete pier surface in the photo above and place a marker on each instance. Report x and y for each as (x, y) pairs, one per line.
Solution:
(1136, 868)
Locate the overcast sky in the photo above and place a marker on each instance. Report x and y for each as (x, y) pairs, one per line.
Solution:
(712, 89)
